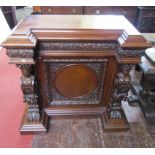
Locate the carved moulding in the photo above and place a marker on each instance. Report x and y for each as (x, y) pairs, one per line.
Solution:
(120, 90)
(90, 46)
(64, 45)
(130, 53)
(99, 66)
(20, 53)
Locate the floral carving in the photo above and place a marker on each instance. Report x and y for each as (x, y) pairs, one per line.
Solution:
(120, 90)
(20, 53)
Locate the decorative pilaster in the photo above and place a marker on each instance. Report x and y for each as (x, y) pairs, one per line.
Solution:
(120, 90)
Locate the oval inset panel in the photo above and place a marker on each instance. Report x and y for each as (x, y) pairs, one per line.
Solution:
(75, 81)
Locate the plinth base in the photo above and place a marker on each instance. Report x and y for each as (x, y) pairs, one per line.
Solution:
(32, 126)
(43, 124)
(114, 124)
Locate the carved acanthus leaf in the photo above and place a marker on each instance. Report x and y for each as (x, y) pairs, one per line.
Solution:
(95, 97)
(27, 85)
(31, 99)
(20, 53)
(120, 90)
(26, 69)
(33, 114)
(90, 46)
(78, 46)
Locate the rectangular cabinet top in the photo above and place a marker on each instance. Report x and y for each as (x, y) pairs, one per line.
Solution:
(104, 22)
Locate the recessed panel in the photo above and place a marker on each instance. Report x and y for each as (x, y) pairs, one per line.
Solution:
(75, 81)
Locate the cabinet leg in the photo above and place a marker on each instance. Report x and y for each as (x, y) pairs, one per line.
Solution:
(114, 124)
(114, 118)
(33, 119)
(30, 126)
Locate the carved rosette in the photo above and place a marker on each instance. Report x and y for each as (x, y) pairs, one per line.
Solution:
(119, 92)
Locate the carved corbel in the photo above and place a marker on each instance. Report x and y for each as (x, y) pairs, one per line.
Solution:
(28, 88)
(120, 90)
(27, 69)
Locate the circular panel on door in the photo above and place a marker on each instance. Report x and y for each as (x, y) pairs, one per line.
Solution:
(75, 81)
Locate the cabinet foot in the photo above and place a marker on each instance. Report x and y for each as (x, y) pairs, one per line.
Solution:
(40, 126)
(111, 124)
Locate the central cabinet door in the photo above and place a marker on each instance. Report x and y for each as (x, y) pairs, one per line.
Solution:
(75, 81)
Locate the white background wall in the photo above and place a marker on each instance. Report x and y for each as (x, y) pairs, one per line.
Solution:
(4, 28)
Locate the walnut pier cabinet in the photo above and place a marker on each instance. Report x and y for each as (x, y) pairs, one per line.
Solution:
(74, 65)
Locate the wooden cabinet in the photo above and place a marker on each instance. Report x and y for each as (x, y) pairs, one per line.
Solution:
(9, 14)
(144, 89)
(128, 12)
(141, 17)
(74, 65)
(146, 19)
(61, 10)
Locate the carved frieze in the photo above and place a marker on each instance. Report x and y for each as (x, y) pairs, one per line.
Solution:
(20, 53)
(78, 46)
(90, 46)
(130, 53)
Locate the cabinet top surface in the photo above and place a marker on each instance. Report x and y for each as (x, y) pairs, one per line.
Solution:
(75, 22)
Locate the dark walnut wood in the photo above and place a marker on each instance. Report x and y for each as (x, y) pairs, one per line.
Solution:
(146, 19)
(141, 17)
(61, 10)
(144, 91)
(74, 65)
(69, 84)
(128, 11)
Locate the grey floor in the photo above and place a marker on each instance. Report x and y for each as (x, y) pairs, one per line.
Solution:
(70, 132)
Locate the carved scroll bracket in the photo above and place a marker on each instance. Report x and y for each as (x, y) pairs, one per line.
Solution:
(27, 69)
(120, 90)
(28, 88)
